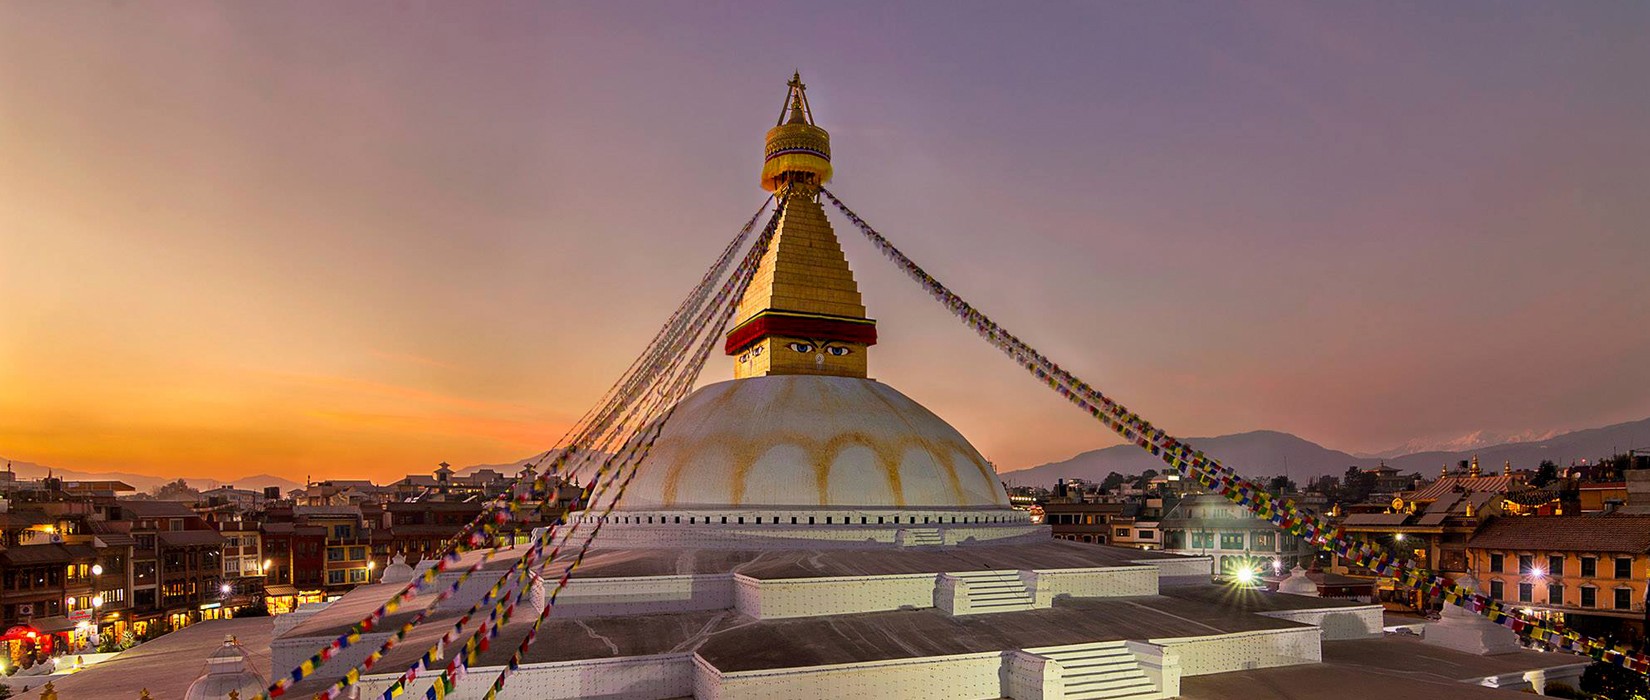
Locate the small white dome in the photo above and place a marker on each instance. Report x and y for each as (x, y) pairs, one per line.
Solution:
(226, 670)
(810, 441)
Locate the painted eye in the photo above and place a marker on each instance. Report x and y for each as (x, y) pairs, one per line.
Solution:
(838, 350)
(801, 347)
(756, 351)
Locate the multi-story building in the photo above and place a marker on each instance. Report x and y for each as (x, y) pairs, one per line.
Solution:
(1209, 525)
(1081, 522)
(63, 576)
(1590, 571)
(347, 562)
(297, 560)
(243, 500)
(1136, 533)
(177, 563)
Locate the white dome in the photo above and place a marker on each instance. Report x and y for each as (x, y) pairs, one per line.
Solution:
(810, 441)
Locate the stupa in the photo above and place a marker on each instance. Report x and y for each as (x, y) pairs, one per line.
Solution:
(804, 530)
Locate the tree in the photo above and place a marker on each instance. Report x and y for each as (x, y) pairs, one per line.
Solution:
(1145, 479)
(1281, 484)
(179, 490)
(1610, 681)
(1545, 474)
(1112, 481)
(1356, 485)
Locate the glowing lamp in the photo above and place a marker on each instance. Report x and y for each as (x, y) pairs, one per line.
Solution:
(97, 569)
(1398, 537)
(226, 588)
(97, 601)
(1245, 576)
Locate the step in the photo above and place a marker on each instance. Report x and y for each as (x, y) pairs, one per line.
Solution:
(1100, 665)
(1146, 693)
(1000, 606)
(1107, 652)
(1124, 680)
(996, 589)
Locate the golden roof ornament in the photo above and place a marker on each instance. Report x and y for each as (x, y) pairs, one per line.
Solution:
(797, 152)
(802, 313)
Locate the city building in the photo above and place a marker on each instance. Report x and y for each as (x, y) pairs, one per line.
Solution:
(1590, 571)
(177, 564)
(1081, 521)
(243, 500)
(1208, 525)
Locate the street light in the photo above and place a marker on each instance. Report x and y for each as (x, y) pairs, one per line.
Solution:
(226, 588)
(97, 569)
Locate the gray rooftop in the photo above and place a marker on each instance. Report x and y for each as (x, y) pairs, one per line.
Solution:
(165, 666)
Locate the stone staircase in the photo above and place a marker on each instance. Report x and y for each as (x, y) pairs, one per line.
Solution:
(994, 591)
(1105, 670)
(924, 537)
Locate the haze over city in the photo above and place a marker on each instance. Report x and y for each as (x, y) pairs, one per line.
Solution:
(233, 241)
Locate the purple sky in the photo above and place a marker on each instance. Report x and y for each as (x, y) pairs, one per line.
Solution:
(245, 237)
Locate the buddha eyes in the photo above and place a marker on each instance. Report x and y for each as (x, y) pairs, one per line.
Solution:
(836, 350)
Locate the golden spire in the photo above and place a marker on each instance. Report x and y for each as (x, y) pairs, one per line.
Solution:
(802, 313)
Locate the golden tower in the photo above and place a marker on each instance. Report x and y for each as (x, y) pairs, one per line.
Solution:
(802, 313)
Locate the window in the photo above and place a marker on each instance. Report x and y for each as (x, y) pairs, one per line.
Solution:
(1122, 532)
(1624, 598)
(1497, 589)
(1589, 567)
(1144, 534)
(357, 575)
(1624, 567)
(1231, 540)
(335, 553)
(1265, 541)
(1555, 594)
(1495, 563)
(1555, 565)
(1526, 592)
(335, 576)
(1525, 564)
(340, 532)
(357, 553)
(1589, 597)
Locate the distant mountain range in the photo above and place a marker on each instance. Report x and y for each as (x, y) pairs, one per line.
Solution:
(142, 482)
(1475, 440)
(1258, 453)
(1268, 452)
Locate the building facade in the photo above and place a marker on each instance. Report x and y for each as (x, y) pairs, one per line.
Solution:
(1589, 571)
(1209, 525)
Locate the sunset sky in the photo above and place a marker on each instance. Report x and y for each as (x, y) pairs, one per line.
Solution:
(357, 240)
